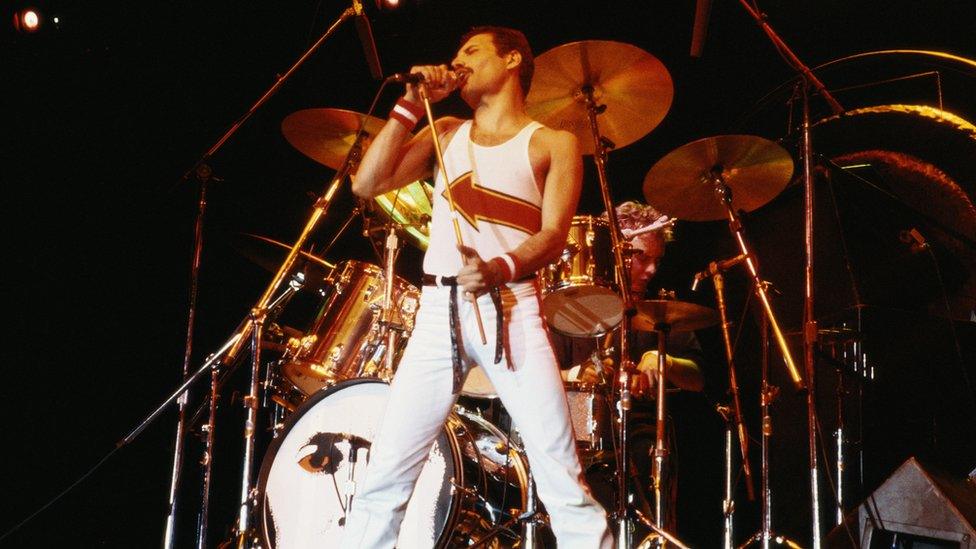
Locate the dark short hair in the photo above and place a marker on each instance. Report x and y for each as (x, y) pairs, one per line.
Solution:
(507, 40)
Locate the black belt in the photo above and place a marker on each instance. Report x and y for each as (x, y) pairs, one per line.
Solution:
(496, 299)
(439, 280)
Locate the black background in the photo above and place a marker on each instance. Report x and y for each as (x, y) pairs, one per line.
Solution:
(104, 114)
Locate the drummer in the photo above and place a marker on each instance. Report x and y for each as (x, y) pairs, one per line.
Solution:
(590, 358)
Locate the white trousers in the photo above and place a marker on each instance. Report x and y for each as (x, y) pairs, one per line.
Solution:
(421, 399)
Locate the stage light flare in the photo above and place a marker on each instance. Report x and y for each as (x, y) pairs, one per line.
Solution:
(387, 5)
(27, 20)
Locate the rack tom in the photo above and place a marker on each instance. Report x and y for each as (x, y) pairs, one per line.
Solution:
(580, 297)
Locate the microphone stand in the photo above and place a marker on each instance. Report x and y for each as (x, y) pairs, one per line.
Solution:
(621, 512)
(810, 331)
(203, 172)
(178, 447)
(735, 415)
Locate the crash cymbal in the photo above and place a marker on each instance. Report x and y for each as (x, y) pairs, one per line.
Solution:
(269, 254)
(411, 208)
(326, 134)
(633, 84)
(754, 168)
(681, 316)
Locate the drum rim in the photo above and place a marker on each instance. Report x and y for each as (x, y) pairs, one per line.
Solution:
(597, 219)
(260, 509)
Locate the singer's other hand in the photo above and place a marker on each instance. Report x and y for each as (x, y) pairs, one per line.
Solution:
(439, 79)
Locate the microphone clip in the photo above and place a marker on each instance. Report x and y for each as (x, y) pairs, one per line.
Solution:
(716, 267)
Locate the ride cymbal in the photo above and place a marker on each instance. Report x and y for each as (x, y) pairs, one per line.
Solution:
(325, 134)
(755, 169)
(633, 85)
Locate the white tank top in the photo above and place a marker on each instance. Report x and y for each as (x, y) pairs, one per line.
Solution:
(494, 217)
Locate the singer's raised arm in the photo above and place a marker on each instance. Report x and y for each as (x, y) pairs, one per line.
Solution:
(396, 157)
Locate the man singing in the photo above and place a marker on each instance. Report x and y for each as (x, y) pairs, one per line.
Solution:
(516, 185)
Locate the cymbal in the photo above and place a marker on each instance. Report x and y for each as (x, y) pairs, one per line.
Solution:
(681, 316)
(270, 254)
(325, 134)
(411, 208)
(633, 84)
(755, 169)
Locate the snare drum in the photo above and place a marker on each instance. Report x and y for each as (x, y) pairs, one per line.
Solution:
(589, 410)
(346, 339)
(580, 296)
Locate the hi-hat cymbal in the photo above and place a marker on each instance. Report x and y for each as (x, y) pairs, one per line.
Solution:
(411, 208)
(680, 316)
(325, 134)
(633, 84)
(755, 170)
(270, 254)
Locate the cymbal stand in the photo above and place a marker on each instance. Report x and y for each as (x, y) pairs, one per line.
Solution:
(386, 320)
(724, 195)
(810, 331)
(253, 326)
(767, 395)
(621, 512)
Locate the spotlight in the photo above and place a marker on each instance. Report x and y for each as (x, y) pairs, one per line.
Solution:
(27, 20)
(388, 5)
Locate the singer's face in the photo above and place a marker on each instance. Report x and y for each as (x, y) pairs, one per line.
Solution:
(648, 249)
(482, 68)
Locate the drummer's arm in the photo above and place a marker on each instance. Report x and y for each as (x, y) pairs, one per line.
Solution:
(396, 158)
(560, 196)
(682, 372)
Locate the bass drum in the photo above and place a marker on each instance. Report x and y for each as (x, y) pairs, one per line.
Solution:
(473, 479)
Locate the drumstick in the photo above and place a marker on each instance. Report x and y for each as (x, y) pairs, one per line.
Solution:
(450, 197)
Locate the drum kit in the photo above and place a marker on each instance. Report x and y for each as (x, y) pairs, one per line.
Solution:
(328, 383)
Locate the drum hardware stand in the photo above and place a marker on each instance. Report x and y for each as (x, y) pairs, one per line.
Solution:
(255, 323)
(808, 80)
(724, 194)
(733, 412)
(203, 174)
(425, 96)
(529, 521)
(768, 394)
(728, 503)
(386, 320)
(621, 514)
(202, 171)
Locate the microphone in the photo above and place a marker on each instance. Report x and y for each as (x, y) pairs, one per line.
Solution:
(703, 10)
(716, 267)
(365, 31)
(416, 77)
(406, 78)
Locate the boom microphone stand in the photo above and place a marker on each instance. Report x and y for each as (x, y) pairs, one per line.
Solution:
(731, 415)
(202, 171)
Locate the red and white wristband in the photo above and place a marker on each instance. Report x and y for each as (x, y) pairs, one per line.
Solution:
(407, 113)
(507, 266)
